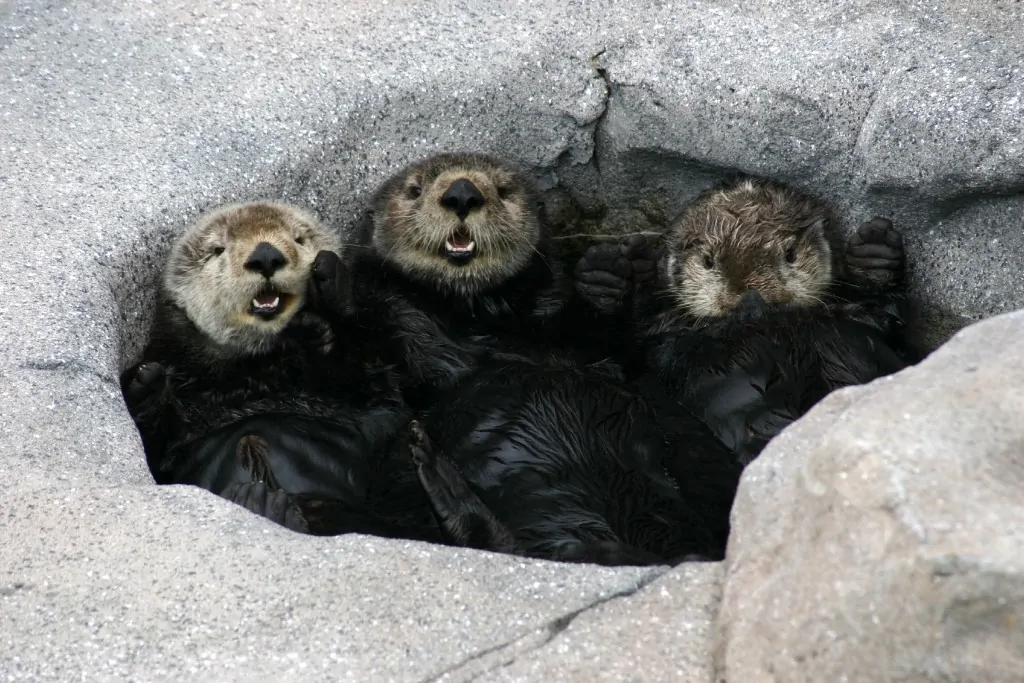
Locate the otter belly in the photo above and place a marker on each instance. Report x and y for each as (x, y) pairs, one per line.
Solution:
(572, 464)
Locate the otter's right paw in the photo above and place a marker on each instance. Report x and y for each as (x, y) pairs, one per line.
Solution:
(875, 256)
(330, 290)
(643, 255)
(144, 386)
(277, 506)
(602, 277)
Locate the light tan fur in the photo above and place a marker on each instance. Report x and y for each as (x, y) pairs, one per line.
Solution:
(411, 225)
(744, 231)
(205, 274)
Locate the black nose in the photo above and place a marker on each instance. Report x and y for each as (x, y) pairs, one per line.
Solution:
(265, 259)
(752, 301)
(462, 197)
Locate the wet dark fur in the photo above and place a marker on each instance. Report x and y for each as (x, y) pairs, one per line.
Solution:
(314, 412)
(446, 325)
(533, 443)
(751, 372)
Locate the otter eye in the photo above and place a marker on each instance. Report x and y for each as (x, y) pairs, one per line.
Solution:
(791, 255)
(300, 240)
(709, 261)
(413, 191)
(503, 191)
(217, 251)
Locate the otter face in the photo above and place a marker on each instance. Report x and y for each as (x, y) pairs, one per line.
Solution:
(240, 273)
(457, 221)
(750, 242)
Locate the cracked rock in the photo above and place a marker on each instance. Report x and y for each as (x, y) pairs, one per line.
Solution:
(879, 539)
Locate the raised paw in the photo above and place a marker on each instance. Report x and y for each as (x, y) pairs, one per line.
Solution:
(277, 506)
(329, 286)
(420, 446)
(643, 254)
(603, 276)
(874, 254)
(144, 385)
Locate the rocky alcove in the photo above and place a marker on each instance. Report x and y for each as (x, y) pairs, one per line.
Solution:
(877, 539)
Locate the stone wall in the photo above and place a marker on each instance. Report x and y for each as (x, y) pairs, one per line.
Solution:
(120, 122)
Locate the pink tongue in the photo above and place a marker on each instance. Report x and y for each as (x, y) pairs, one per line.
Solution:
(266, 298)
(460, 239)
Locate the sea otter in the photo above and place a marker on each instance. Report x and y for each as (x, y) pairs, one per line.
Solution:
(261, 382)
(759, 311)
(542, 451)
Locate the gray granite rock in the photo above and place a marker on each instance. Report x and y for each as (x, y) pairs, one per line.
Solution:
(120, 122)
(879, 539)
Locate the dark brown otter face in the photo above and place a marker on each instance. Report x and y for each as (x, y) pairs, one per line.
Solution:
(241, 272)
(457, 221)
(753, 239)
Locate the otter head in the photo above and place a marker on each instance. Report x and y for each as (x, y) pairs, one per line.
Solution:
(240, 273)
(460, 222)
(750, 242)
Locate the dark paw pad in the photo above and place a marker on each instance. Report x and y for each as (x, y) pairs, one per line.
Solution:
(643, 254)
(874, 254)
(602, 276)
(330, 290)
(144, 383)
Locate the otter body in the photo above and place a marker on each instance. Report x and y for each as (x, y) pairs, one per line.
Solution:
(758, 315)
(250, 386)
(535, 449)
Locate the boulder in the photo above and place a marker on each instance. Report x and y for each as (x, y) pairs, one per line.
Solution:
(879, 538)
(121, 123)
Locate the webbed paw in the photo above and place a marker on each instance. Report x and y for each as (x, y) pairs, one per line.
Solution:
(144, 386)
(875, 256)
(330, 289)
(603, 277)
(277, 506)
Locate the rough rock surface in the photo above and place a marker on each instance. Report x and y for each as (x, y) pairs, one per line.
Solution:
(121, 121)
(880, 538)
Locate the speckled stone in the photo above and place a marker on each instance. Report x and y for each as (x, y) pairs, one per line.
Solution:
(122, 121)
(879, 539)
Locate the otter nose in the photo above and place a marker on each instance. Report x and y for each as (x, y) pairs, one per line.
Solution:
(265, 259)
(462, 197)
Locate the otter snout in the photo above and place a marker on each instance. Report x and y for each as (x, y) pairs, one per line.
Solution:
(462, 196)
(266, 260)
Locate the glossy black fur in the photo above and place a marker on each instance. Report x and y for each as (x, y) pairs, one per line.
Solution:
(535, 450)
(750, 374)
(319, 416)
(575, 468)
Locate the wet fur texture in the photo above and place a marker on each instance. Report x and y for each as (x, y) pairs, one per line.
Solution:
(750, 341)
(535, 448)
(249, 408)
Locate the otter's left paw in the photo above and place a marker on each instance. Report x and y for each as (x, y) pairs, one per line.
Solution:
(875, 256)
(602, 277)
(144, 386)
(277, 506)
(643, 254)
(329, 288)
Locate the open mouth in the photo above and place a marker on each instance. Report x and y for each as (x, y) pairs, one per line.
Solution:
(268, 303)
(460, 247)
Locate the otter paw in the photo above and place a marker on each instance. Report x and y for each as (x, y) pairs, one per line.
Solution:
(420, 446)
(643, 255)
(330, 283)
(144, 385)
(277, 506)
(602, 277)
(874, 254)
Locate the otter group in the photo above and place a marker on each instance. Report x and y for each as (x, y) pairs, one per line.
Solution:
(444, 380)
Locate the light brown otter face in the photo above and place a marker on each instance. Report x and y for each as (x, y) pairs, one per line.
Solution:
(457, 221)
(752, 236)
(240, 273)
